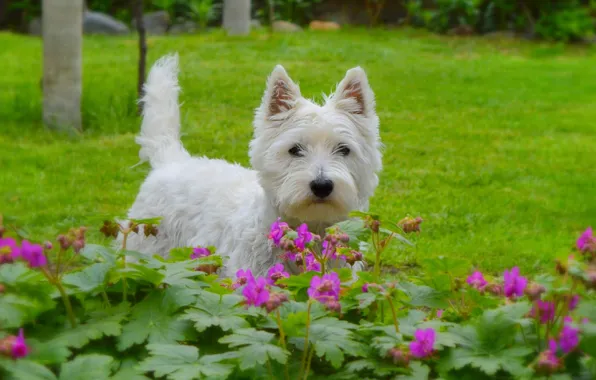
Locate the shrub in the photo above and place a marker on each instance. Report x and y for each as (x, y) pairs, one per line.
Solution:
(72, 309)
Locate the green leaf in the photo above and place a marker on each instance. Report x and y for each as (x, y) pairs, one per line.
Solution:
(421, 295)
(154, 220)
(215, 310)
(152, 319)
(419, 372)
(509, 360)
(137, 272)
(255, 347)
(332, 338)
(178, 362)
(588, 340)
(356, 230)
(26, 369)
(89, 280)
(85, 367)
(95, 252)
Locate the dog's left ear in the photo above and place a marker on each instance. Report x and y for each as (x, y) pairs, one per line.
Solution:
(354, 95)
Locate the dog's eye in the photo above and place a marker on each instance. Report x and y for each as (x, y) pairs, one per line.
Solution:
(296, 151)
(343, 150)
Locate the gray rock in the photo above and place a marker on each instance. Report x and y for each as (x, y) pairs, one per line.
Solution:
(186, 27)
(285, 27)
(100, 23)
(35, 27)
(156, 23)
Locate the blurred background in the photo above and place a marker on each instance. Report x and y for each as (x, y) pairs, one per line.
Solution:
(487, 107)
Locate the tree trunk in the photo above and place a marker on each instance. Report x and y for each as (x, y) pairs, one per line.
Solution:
(62, 28)
(236, 17)
(138, 14)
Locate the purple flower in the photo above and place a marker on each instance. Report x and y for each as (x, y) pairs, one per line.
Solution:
(583, 242)
(569, 337)
(547, 360)
(276, 273)
(304, 237)
(545, 309)
(255, 292)
(199, 252)
(242, 277)
(9, 250)
(365, 288)
(573, 301)
(278, 229)
(323, 287)
(476, 280)
(312, 264)
(514, 284)
(440, 313)
(33, 254)
(19, 347)
(422, 345)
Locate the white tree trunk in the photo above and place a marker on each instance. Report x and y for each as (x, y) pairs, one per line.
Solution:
(236, 17)
(62, 28)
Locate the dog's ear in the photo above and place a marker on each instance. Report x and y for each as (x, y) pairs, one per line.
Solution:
(280, 96)
(354, 95)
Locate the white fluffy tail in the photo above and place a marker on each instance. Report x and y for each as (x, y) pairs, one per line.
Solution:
(160, 131)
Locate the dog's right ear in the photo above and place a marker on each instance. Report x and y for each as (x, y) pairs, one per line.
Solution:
(280, 96)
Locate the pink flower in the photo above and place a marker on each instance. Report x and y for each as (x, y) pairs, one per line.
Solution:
(545, 309)
(199, 252)
(242, 277)
(476, 280)
(440, 313)
(304, 237)
(19, 347)
(586, 238)
(514, 284)
(573, 301)
(325, 288)
(569, 337)
(33, 254)
(9, 250)
(276, 273)
(547, 360)
(255, 292)
(423, 343)
(365, 288)
(312, 265)
(278, 229)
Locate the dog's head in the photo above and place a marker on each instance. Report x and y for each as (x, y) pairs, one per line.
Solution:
(317, 162)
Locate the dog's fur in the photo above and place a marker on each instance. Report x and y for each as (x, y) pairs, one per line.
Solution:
(211, 202)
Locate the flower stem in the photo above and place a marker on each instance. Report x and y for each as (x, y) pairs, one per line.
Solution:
(105, 298)
(304, 354)
(309, 360)
(395, 323)
(67, 304)
(270, 369)
(282, 340)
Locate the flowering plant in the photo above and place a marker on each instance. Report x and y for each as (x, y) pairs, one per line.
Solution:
(69, 309)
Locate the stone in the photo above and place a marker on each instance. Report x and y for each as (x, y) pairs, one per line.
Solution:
(323, 25)
(100, 23)
(236, 17)
(285, 27)
(35, 27)
(461, 30)
(156, 23)
(185, 27)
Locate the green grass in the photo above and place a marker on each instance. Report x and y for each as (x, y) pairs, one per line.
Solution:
(491, 142)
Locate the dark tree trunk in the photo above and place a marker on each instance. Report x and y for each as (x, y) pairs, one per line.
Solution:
(138, 15)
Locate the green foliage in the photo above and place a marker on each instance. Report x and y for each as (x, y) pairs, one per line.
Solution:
(573, 24)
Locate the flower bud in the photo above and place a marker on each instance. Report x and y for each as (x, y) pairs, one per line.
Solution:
(375, 225)
(561, 268)
(344, 238)
(534, 291)
(110, 229)
(77, 245)
(275, 300)
(2, 288)
(399, 356)
(2, 230)
(207, 268)
(494, 289)
(48, 246)
(65, 243)
(409, 224)
(150, 230)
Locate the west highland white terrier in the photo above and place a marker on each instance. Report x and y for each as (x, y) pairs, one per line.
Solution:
(311, 164)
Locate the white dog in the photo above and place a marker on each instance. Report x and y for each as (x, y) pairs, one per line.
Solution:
(311, 164)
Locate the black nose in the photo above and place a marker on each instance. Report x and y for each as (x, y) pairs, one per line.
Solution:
(321, 187)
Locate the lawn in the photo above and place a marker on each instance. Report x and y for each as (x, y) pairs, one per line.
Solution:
(492, 142)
